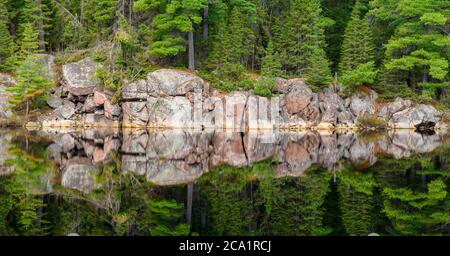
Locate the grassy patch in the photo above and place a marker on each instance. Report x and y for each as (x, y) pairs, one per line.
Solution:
(371, 122)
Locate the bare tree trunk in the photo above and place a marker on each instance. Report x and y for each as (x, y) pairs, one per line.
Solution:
(191, 51)
(205, 22)
(81, 11)
(28, 108)
(122, 8)
(130, 18)
(190, 193)
(424, 75)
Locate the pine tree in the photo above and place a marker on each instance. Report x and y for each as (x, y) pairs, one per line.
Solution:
(357, 55)
(6, 41)
(271, 65)
(300, 40)
(176, 16)
(418, 50)
(31, 79)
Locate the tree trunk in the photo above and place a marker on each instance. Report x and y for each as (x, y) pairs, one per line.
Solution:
(424, 75)
(191, 51)
(130, 14)
(81, 11)
(190, 195)
(205, 22)
(27, 110)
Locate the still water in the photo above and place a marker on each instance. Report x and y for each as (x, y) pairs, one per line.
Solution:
(139, 182)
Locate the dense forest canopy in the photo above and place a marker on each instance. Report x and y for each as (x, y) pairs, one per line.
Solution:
(397, 47)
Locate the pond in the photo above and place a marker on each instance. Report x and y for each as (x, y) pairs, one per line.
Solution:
(173, 182)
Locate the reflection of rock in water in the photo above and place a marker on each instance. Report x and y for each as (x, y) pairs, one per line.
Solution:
(80, 154)
(5, 169)
(173, 156)
(165, 157)
(79, 173)
(168, 157)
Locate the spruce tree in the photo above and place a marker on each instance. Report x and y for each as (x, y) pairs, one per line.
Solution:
(271, 66)
(357, 55)
(358, 45)
(31, 79)
(35, 12)
(231, 41)
(101, 14)
(301, 41)
(340, 13)
(7, 45)
(231, 48)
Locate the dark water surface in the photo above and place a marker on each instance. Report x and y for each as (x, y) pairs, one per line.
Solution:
(138, 182)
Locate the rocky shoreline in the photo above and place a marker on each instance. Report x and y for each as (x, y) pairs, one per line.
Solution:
(178, 99)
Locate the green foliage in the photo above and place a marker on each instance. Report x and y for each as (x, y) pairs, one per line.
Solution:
(412, 211)
(228, 77)
(339, 12)
(357, 48)
(29, 42)
(263, 87)
(32, 80)
(30, 168)
(417, 50)
(175, 16)
(31, 85)
(230, 211)
(100, 16)
(357, 55)
(356, 201)
(294, 205)
(271, 63)
(363, 74)
(393, 197)
(397, 47)
(229, 48)
(300, 41)
(163, 212)
(6, 41)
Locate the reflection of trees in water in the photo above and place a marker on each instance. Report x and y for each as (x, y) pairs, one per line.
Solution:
(294, 205)
(401, 197)
(356, 201)
(122, 205)
(251, 201)
(21, 211)
(414, 193)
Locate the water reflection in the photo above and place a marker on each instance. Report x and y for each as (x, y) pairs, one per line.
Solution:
(140, 182)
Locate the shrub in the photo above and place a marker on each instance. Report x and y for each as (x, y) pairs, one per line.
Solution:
(70, 57)
(371, 122)
(228, 77)
(263, 87)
